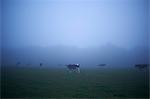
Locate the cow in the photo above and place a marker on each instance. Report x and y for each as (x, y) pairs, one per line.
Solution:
(141, 66)
(41, 64)
(101, 65)
(18, 63)
(73, 68)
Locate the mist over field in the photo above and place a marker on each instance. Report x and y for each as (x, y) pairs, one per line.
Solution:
(74, 48)
(109, 54)
(88, 32)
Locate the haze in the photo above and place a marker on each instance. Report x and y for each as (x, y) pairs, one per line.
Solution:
(89, 32)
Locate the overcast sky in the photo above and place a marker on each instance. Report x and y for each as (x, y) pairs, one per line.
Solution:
(79, 23)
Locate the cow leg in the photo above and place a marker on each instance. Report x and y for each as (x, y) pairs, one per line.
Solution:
(78, 70)
(70, 70)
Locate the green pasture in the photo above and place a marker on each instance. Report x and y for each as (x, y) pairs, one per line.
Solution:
(21, 82)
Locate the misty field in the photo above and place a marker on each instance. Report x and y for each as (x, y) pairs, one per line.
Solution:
(21, 82)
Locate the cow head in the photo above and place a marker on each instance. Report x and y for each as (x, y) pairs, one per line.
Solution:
(78, 65)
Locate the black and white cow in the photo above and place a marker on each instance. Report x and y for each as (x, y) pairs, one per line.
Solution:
(73, 68)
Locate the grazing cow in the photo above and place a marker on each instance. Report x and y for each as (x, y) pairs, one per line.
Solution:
(18, 63)
(41, 64)
(101, 64)
(73, 68)
(141, 66)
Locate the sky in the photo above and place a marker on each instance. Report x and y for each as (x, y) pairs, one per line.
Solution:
(79, 23)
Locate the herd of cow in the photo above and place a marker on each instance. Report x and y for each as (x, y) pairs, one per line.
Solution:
(76, 67)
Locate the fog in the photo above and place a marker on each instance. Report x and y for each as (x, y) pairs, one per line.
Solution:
(89, 32)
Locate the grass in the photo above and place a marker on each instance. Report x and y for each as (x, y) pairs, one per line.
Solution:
(19, 82)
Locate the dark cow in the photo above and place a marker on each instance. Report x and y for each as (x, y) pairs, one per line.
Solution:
(41, 64)
(18, 63)
(101, 64)
(141, 66)
(73, 68)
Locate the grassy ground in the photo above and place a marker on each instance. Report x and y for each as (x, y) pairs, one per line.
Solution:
(17, 82)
